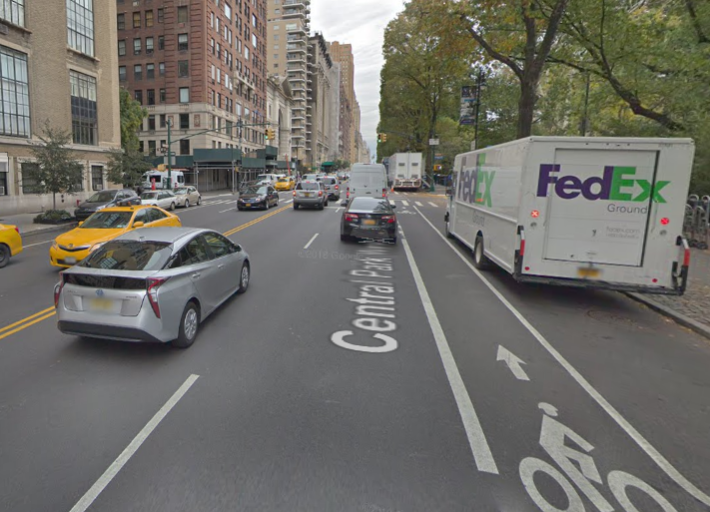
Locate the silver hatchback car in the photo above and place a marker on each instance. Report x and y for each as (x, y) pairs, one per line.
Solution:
(310, 193)
(154, 284)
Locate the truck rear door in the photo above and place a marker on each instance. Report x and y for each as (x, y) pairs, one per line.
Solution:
(598, 205)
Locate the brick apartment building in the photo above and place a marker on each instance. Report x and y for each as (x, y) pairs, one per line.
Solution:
(200, 65)
(57, 64)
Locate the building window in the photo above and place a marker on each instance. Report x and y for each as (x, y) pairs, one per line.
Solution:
(121, 21)
(149, 18)
(184, 121)
(13, 11)
(151, 118)
(136, 20)
(183, 69)
(161, 43)
(162, 121)
(139, 96)
(14, 94)
(162, 95)
(185, 147)
(141, 146)
(150, 71)
(29, 184)
(138, 72)
(184, 95)
(253, 40)
(227, 11)
(182, 42)
(97, 178)
(253, 20)
(151, 147)
(182, 14)
(161, 15)
(122, 73)
(151, 101)
(137, 46)
(211, 19)
(80, 26)
(84, 115)
(149, 45)
(122, 48)
(161, 68)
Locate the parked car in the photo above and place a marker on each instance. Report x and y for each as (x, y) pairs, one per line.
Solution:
(310, 193)
(332, 187)
(10, 243)
(106, 199)
(262, 197)
(151, 285)
(187, 196)
(285, 184)
(162, 198)
(73, 246)
(370, 218)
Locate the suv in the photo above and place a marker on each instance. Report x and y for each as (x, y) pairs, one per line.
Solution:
(310, 193)
(105, 199)
(331, 186)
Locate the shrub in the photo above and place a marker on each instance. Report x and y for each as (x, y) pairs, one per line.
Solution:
(53, 217)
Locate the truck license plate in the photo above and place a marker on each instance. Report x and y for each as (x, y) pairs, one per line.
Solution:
(588, 272)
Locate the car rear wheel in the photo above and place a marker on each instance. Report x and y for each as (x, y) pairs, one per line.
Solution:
(4, 255)
(189, 325)
(199, 201)
(187, 203)
(244, 278)
(480, 260)
(172, 207)
(344, 238)
(295, 206)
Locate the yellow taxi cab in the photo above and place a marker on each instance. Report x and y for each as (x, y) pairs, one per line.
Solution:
(70, 248)
(285, 184)
(10, 243)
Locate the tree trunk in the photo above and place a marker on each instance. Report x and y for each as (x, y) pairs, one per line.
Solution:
(526, 107)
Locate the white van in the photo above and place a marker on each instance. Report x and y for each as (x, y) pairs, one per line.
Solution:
(161, 179)
(366, 180)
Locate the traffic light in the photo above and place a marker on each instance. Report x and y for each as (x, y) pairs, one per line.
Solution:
(379, 138)
(269, 134)
(384, 137)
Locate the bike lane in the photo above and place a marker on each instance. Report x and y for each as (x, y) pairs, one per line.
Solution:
(582, 459)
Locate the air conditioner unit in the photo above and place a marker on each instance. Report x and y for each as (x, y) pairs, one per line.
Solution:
(2, 191)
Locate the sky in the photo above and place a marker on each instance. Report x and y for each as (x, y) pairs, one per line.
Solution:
(361, 23)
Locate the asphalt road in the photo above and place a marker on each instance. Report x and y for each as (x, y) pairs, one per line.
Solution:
(356, 377)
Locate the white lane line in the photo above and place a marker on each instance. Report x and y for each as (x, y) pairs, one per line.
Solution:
(38, 243)
(289, 201)
(336, 211)
(474, 432)
(418, 203)
(405, 203)
(105, 479)
(638, 438)
(433, 204)
(310, 241)
(228, 210)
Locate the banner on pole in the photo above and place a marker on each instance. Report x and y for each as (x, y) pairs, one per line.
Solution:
(467, 115)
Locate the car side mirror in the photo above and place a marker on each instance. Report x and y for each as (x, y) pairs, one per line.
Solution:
(394, 206)
(138, 224)
(238, 248)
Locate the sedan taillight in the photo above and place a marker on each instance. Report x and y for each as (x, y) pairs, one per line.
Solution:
(58, 289)
(391, 219)
(351, 217)
(152, 285)
(294, 193)
(337, 187)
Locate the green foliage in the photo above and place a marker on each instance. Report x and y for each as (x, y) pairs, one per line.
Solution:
(127, 167)
(57, 170)
(52, 217)
(340, 164)
(132, 115)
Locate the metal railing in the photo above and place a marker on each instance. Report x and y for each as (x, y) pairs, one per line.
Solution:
(696, 224)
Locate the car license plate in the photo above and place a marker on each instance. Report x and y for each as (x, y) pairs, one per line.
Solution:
(248, 205)
(71, 260)
(370, 222)
(308, 194)
(101, 304)
(588, 272)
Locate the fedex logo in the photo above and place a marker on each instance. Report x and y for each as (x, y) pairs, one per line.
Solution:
(615, 184)
(475, 186)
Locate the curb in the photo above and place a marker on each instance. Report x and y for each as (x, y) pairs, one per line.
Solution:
(679, 318)
(48, 229)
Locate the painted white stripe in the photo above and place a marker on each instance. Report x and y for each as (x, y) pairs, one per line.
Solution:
(336, 211)
(418, 203)
(433, 204)
(289, 201)
(105, 479)
(641, 441)
(405, 203)
(392, 202)
(311, 241)
(228, 210)
(36, 244)
(474, 432)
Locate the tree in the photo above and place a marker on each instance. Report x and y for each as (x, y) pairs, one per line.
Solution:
(132, 115)
(127, 167)
(520, 35)
(56, 170)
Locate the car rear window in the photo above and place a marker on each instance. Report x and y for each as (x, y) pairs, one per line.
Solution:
(329, 181)
(129, 255)
(368, 204)
(308, 186)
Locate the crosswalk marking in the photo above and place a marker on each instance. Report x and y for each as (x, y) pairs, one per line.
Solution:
(405, 203)
(433, 204)
(418, 203)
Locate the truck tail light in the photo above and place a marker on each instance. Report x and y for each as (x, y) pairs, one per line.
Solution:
(686, 257)
(337, 187)
(665, 221)
(522, 248)
(351, 217)
(58, 289)
(347, 193)
(384, 192)
(153, 283)
(391, 219)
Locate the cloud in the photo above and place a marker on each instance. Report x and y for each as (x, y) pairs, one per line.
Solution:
(361, 23)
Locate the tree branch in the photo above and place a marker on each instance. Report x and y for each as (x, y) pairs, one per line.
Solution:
(492, 51)
(702, 37)
(551, 33)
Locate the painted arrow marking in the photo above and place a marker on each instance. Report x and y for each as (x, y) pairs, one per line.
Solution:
(513, 362)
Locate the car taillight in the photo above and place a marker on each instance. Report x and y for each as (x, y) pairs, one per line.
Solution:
(384, 192)
(337, 187)
(153, 283)
(58, 289)
(294, 193)
(17, 229)
(391, 219)
(320, 193)
(351, 217)
(347, 193)
(686, 257)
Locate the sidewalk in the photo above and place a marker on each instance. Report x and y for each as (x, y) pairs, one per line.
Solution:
(693, 308)
(24, 221)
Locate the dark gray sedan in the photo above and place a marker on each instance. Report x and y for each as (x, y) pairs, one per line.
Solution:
(369, 218)
(152, 284)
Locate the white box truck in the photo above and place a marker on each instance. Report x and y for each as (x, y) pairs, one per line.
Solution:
(406, 170)
(578, 211)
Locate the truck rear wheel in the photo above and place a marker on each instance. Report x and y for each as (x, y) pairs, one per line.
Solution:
(480, 260)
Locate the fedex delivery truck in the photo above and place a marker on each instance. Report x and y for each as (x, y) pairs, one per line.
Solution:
(406, 170)
(578, 211)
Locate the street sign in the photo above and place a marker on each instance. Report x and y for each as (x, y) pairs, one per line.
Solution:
(438, 156)
(433, 142)
(468, 105)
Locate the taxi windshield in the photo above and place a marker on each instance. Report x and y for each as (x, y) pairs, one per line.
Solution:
(108, 220)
